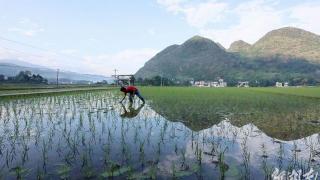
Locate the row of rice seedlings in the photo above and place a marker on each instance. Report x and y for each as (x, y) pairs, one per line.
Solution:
(267, 170)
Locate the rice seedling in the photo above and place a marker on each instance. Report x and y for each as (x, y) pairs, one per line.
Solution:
(88, 172)
(63, 171)
(141, 154)
(280, 154)
(40, 174)
(116, 170)
(186, 171)
(267, 170)
(223, 167)
(20, 172)
(246, 157)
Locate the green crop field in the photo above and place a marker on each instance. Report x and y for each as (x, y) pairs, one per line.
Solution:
(285, 113)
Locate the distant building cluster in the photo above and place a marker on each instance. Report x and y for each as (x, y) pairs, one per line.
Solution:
(222, 83)
(219, 83)
(243, 84)
(282, 84)
(123, 80)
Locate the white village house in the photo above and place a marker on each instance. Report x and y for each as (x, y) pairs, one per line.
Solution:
(219, 83)
(243, 84)
(282, 84)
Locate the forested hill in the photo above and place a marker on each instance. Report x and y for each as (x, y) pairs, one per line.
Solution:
(200, 58)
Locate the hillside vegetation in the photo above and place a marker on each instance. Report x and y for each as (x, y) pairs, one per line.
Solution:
(287, 54)
(288, 42)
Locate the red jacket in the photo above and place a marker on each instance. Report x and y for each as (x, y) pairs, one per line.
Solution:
(131, 89)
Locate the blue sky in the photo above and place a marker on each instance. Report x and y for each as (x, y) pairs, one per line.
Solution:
(100, 35)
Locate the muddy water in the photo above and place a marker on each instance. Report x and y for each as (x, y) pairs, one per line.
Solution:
(91, 135)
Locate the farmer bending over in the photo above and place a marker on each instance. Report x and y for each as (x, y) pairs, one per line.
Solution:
(132, 91)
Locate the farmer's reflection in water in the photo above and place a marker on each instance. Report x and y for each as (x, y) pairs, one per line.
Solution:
(130, 112)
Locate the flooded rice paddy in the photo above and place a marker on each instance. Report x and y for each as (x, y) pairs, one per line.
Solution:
(91, 135)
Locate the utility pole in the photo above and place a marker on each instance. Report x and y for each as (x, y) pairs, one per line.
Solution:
(115, 76)
(58, 78)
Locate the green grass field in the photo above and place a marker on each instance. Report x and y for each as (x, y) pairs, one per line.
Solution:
(284, 113)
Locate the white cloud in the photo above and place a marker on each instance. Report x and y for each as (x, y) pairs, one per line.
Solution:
(249, 20)
(126, 61)
(306, 16)
(254, 19)
(151, 31)
(205, 13)
(47, 59)
(69, 51)
(197, 15)
(93, 40)
(26, 32)
(27, 27)
(5, 53)
(172, 5)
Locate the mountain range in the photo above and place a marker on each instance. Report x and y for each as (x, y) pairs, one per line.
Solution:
(286, 54)
(11, 67)
(287, 42)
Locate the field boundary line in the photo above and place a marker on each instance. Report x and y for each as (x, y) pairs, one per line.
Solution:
(286, 94)
(54, 91)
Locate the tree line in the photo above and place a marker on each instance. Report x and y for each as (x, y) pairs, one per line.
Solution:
(24, 77)
(254, 81)
(161, 81)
